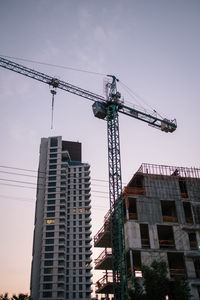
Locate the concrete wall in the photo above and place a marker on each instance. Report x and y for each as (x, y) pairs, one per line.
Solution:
(149, 212)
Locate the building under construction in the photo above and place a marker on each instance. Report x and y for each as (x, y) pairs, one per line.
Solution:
(161, 209)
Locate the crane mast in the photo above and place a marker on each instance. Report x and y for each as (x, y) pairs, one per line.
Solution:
(107, 109)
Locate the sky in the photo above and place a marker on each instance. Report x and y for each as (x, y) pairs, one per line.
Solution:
(152, 46)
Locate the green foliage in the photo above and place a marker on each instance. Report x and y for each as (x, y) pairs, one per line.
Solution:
(156, 285)
(155, 280)
(4, 297)
(136, 293)
(21, 297)
(14, 297)
(181, 290)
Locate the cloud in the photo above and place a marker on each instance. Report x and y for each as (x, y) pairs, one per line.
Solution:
(84, 17)
(99, 34)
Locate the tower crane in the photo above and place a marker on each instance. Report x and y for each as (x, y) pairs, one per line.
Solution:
(106, 108)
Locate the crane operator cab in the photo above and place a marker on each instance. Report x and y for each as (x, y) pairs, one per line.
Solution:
(99, 110)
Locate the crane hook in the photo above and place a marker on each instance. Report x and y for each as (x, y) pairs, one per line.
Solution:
(53, 92)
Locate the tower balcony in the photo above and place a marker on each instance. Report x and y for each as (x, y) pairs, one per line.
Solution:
(87, 225)
(104, 261)
(105, 284)
(88, 252)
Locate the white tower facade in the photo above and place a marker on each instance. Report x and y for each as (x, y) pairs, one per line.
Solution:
(61, 264)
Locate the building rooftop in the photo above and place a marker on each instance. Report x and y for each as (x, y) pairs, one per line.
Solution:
(153, 169)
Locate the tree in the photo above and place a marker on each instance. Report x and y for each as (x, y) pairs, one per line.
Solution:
(21, 297)
(180, 290)
(155, 280)
(136, 292)
(156, 285)
(4, 297)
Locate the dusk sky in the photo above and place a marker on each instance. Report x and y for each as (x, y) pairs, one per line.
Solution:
(152, 46)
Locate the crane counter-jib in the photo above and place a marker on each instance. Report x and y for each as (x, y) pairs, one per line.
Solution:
(163, 124)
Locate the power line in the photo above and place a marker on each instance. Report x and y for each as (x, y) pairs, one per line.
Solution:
(29, 170)
(26, 175)
(14, 168)
(39, 177)
(33, 200)
(43, 185)
(28, 182)
(21, 186)
(18, 181)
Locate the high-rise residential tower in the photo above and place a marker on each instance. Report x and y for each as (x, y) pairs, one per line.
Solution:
(61, 265)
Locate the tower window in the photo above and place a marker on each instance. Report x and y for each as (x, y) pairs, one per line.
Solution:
(48, 278)
(49, 241)
(54, 142)
(49, 248)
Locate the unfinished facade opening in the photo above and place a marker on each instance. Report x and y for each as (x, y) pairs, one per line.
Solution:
(165, 236)
(136, 262)
(196, 209)
(188, 212)
(193, 240)
(144, 232)
(183, 188)
(176, 264)
(131, 208)
(197, 267)
(169, 211)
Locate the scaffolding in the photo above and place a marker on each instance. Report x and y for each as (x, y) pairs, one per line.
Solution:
(154, 169)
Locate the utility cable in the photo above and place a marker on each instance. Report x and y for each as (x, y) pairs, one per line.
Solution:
(32, 176)
(19, 174)
(33, 200)
(26, 182)
(46, 185)
(14, 168)
(40, 172)
(29, 187)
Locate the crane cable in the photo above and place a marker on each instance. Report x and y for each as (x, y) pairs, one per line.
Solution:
(138, 98)
(54, 65)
